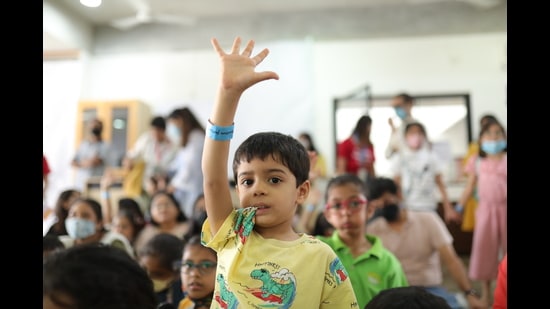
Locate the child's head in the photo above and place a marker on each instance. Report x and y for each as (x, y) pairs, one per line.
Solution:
(346, 204)
(413, 297)
(322, 227)
(492, 139)
(51, 244)
(415, 135)
(271, 171)
(85, 218)
(159, 257)
(129, 219)
(118, 281)
(62, 205)
(165, 208)
(198, 269)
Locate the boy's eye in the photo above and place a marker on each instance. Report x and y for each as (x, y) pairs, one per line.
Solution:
(246, 182)
(275, 180)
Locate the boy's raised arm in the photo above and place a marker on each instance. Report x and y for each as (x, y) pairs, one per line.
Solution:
(237, 74)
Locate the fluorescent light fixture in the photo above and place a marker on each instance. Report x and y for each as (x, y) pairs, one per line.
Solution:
(91, 3)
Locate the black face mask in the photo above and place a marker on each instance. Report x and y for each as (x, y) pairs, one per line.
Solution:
(390, 212)
(96, 131)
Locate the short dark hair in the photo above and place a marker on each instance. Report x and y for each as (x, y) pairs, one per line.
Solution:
(282, 148)
(405, 97)
(343, 180)
(380, 185)
(158, 122)
(97, 276)
(410, 297)
(52, 242)
(166, 247)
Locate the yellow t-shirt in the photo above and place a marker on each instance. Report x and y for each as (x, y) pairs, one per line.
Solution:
(254, 272)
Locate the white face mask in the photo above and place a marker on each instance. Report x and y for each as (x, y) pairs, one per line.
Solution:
(173, 133)
(79, 228)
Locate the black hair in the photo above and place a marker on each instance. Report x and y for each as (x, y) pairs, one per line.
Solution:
(410, 297)
(487, 117)
(166, 247)
(158, 122)
(321, 225)
(129, 208)
(344, 179)
(308, 137)
(282, 148)
(361, 126)
(97, 276)
(195, 240)
(181, 216)
(58, 228)
(52, 242)
(190, 122)
(408, 99)
(380, 185)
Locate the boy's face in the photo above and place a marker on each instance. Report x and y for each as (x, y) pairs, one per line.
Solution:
(271, 186)
(346, 209)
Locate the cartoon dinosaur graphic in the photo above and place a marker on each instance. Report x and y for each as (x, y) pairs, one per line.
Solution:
(277, 288)
(226, 299)
(337, 270)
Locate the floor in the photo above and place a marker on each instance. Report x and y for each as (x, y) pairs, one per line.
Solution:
(451, 285)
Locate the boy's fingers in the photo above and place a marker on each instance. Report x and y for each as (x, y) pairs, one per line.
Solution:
(248, 50)
(217, 47)
(261, 56)
(236, 45)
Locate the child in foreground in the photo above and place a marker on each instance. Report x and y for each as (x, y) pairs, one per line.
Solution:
(372, 268)
(262, 261)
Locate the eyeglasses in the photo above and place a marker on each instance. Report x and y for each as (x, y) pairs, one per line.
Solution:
(352, 205)
(204, 268)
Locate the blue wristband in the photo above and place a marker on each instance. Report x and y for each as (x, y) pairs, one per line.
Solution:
(219, 133)
(105, 195)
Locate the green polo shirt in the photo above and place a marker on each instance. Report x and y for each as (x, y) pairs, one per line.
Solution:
(373, 271)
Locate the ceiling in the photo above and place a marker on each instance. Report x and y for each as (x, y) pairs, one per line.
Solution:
(150, 13)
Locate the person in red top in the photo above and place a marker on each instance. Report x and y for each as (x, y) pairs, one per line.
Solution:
(500, 297)
(356, 153)
(45, 173)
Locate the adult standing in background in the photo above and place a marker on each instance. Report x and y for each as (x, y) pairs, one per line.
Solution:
(45, 175)
(355, 154)
(402, 104)
(185, 130)
(153, 152)
(91, 156)
(46, 210)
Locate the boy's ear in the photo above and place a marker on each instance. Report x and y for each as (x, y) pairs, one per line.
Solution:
(370, 210)
(303, 191)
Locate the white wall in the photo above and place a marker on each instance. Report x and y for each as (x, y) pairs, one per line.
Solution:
(311, 75)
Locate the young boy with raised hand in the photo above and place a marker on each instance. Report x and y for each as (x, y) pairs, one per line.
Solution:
(372, 268)
(262, 261)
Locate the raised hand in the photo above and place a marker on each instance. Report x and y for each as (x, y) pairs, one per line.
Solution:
(238, 68)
